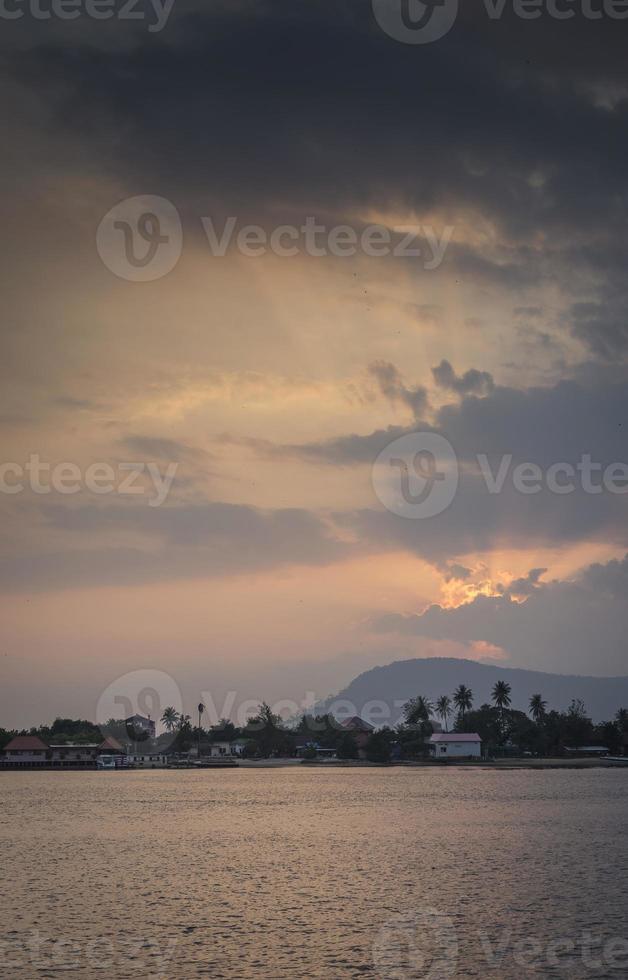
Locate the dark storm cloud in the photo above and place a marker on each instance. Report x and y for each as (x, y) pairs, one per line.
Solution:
(478, 521)
(204, 540)
(282, 97)
(472, 382)
(276, 109)
(559, 626)
(525, 586)
(602, 326)
(392, 386)
(543, 425)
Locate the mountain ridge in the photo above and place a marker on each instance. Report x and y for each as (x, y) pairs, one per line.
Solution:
(395, 683)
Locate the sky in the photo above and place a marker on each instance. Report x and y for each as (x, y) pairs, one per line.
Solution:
(256, 377)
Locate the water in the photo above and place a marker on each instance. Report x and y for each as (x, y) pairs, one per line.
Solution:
(392, 874)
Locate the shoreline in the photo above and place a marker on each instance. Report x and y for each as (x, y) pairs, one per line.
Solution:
(498, 765)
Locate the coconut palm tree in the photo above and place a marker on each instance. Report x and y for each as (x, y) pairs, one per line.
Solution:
(443, 709)
(622, 719)
(463, 699)
(170, 719)
(417, 710)
(538, 708)
(201, 709)
(501, 698)
(622, 724)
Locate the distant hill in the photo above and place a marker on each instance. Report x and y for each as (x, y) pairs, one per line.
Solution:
(399, 681)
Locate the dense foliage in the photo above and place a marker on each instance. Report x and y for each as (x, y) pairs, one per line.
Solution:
(503, 730)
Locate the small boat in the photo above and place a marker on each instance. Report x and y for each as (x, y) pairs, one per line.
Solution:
(112, 762)
(621, 759)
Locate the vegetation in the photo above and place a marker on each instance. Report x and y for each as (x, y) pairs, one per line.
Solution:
(443, 710)
(379, 745)
(170, 719)
(463, 699)
(504, 730)
(347, 747)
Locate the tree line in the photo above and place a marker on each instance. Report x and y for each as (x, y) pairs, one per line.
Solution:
(503, 730)
(540, 732)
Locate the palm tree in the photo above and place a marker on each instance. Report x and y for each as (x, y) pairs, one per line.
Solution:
(501, 698)
(417, 710)
(622, 723)
(622, 719)
(443, 709)
(201, 709)
(170, 719)
(463, 699)
(538, 708)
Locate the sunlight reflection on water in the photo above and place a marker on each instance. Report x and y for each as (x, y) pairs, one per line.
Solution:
(301, 873)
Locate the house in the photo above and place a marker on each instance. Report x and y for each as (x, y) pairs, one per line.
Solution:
(111, 755)
(455, 745)
(220, 750)
(111, 746)
(74, 755)
(141, 724)
(28, 751)
(149, 760)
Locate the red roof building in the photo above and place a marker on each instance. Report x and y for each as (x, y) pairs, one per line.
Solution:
(27, 750)
(26, 743)
(357, 724)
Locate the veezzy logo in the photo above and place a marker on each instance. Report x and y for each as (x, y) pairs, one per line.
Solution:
(416, 21)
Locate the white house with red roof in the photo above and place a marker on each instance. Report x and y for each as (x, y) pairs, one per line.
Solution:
(455, 745)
